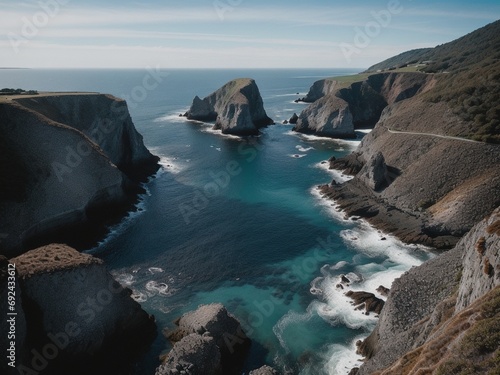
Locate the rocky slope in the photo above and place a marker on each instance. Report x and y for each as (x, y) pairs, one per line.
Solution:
(443, 316)
(423, 187)
(71, 158)
(236, 108)
(77, 316)
(338, 109)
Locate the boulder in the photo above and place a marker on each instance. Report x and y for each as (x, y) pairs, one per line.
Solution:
(264, 370)
(194, 354)
(215, 321)
(383, 290)
(237, 108)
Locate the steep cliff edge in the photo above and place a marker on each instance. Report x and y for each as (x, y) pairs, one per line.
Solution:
(237, 108)
(444, 315)
(77, 316)
(71, 159)
(339, 108)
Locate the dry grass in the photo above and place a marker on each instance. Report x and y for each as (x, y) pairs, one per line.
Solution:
(51, 258)
(481, 246)
(494, 228)
(467, 343)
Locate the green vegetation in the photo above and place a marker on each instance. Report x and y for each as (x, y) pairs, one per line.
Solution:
(7, 91)
(403, 60)
(470, 80)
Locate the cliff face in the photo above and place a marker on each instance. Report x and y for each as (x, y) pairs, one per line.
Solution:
(329, 116)
(338, 109)
(445, 313)
(319, 89)
(70, 158)
(236, 108)
(438, 186)
(106, 121)
(76, 314)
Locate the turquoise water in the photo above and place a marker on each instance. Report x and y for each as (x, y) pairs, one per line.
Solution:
(238, 221)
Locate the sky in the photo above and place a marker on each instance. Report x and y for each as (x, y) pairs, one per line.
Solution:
(228, 33)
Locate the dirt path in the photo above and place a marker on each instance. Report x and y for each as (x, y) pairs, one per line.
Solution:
(433, 135)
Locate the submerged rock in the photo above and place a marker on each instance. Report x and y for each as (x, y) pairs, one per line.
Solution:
(236, 108)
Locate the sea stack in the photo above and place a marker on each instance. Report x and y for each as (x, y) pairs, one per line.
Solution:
(237, 108)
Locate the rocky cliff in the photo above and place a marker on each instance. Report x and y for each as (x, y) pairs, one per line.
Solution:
(443, 316)
(77, 316)
(431, 188)
(71, 159)
(236, 108)
(339, 108)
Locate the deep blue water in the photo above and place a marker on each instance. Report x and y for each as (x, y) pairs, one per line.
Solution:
(237, 221)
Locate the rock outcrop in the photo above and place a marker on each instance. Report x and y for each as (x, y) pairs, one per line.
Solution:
(481, 261)
(81, 164)
(264, 370)
(366, 301)
(194, 354)
(77, 316)
(208, 336)
(375, 173)
(236, 108)
(319, 89)
(338, 108)
(427, 323)
(329, 116)
(293, 120)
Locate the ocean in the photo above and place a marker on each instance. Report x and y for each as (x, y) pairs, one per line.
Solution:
(239, 221)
